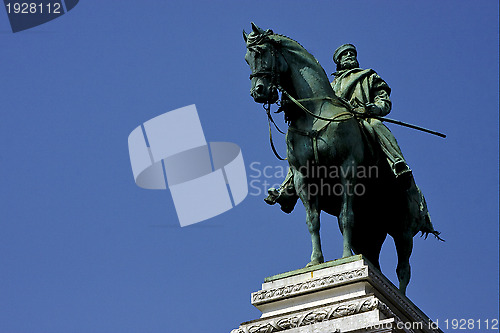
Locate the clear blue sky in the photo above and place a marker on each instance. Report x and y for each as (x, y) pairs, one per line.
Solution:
(83, 249)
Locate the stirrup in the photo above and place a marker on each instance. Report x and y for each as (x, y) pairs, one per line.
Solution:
(403, 174)
(400, 168)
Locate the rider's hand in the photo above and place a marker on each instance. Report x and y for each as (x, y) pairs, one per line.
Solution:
(360, 110)
(372, 109)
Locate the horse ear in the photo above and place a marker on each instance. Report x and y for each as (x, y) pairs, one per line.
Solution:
(245, 35)
(256, 29)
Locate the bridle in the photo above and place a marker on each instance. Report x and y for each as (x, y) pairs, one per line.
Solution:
(274, 75)
(275, 83)
(272, 72)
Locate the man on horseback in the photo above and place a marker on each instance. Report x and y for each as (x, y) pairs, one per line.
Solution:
(368, 94)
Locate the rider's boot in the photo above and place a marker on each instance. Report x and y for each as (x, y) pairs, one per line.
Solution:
(285, 195)
(393, 154)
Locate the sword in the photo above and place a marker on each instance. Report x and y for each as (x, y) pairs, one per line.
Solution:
(397, 122)
(393, 121)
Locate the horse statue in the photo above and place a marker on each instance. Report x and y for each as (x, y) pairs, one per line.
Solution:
(329, 156)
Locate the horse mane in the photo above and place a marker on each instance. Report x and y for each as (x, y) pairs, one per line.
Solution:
(292, 51)
(284, 43)
(298, 52)
(295, 49)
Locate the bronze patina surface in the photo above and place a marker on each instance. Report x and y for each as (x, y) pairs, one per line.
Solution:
(341, 159)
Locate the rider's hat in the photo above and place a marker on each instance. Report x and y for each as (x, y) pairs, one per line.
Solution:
(341, 49)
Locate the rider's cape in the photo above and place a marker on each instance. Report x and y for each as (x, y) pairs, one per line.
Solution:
(359, 87)
(362, 86)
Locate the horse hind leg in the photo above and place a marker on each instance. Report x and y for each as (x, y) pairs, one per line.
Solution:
(346, 217)
(404, 246)
(370, 246)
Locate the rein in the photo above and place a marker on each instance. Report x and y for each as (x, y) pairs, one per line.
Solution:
(269, 121)
(350, 114)
(312, 134)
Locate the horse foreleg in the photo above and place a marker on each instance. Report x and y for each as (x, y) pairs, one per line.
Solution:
(404, 246)
(311, 205)
(313, 225)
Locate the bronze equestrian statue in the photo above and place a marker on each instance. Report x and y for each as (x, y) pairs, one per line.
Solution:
(365, 90)
(335, 151)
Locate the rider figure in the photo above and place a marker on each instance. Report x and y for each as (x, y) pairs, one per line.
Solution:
(365, 90)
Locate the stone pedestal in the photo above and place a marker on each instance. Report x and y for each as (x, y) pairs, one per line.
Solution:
(345, 295)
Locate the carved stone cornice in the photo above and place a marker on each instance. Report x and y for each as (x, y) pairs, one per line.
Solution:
(310, 317)
(389, 314)
(396, 297)
(292, 300)
(264, 296)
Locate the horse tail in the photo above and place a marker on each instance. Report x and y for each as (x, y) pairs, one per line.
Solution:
(427, 227)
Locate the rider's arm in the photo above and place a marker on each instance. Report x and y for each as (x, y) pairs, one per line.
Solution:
(380, 102)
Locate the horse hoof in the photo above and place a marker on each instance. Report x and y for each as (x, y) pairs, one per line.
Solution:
(315, 262)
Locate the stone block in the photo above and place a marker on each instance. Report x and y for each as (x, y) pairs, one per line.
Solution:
(345, 295)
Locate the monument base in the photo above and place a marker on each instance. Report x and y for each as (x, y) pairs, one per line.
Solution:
(345, 295)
